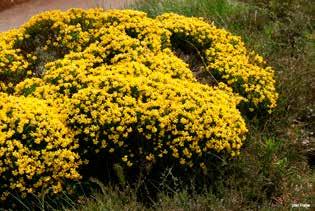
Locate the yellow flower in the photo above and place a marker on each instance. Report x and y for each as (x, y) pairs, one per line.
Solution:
(112, 83)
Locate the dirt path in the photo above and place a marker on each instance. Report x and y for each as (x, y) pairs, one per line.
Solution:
(19, 14)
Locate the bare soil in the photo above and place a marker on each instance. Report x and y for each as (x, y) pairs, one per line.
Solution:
(5, 4)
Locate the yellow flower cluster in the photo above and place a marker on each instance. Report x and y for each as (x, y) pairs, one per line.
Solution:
(156, 117)
(36, 148)
(108, 81)
(60, 33)
(108, 105)
(227, 58)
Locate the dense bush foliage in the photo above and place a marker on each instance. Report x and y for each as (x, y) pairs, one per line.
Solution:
(117, 85)
(226, 57)
(36, 148)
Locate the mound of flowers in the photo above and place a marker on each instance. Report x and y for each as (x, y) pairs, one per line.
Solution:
(82, 83)
(36, 148)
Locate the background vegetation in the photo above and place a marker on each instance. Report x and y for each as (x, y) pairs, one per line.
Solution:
(276, 166)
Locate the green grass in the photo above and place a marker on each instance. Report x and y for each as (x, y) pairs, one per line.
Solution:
(212, 9)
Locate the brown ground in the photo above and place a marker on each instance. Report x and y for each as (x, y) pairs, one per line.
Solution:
(19, 13)
(5, 4)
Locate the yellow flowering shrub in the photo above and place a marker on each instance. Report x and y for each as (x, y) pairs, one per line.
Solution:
(131, 35)
(226, 57)
(110, 104)
(112, 83)
(36, 148)
(151, 117)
